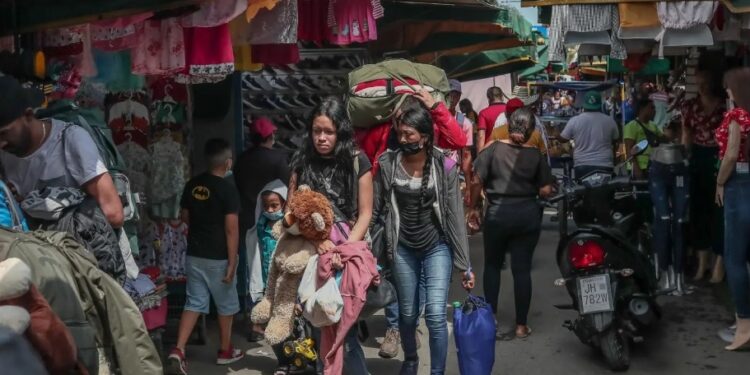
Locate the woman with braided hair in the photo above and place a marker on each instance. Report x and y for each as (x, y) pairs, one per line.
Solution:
(420, 203)
(513, 175)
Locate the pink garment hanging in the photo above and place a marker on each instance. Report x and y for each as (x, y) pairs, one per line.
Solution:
(66, 41)
(160, 49)
(354, 23)
(215, 13)
(312, 20)
(209, 54)
(118, 34)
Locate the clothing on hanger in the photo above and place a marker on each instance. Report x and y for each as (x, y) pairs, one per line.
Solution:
(160, 47)
(209, 55)
(215, 13)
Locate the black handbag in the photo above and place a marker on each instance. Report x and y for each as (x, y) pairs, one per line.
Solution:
(378, 297)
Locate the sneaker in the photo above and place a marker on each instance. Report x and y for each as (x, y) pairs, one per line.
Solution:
(230, 356)
(391, 343)
(176, 363)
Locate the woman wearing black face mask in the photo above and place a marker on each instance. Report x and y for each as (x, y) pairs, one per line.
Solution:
(513, 175)
(425, 231)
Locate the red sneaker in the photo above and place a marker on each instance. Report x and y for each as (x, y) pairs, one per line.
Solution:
(176, 363)
(230, 356)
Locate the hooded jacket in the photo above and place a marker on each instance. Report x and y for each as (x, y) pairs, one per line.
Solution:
(255, 271)
(448, 206)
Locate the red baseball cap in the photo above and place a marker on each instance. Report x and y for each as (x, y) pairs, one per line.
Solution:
(513, 105)
(263, 127)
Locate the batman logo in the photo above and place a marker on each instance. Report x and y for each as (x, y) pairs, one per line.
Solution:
(201, 193)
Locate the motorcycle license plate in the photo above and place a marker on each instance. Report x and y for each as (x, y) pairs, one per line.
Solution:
(595, 294)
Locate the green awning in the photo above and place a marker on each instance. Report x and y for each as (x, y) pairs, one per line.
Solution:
(542, 61)
(429, 31)
(654, 66)
(35, 15)
(489, 63)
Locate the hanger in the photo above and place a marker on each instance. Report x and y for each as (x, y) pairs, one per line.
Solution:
(167, 96)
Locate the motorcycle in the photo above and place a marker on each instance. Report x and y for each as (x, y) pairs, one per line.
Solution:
(606, 264)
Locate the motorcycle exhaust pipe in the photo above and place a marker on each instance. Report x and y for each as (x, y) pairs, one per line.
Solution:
(642, 311)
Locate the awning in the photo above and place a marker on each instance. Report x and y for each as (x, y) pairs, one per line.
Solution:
(428, 31)
(736, 6)
(653, 66)
(488, 63)
(579, 85)
(34, 15)
(541, 65)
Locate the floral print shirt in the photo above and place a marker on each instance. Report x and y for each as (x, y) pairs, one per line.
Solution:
(702, 125)
(742, 117)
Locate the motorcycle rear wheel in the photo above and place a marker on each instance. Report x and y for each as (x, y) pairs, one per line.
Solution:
(616, 349)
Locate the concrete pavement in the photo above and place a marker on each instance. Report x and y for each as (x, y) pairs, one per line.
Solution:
(685, 341)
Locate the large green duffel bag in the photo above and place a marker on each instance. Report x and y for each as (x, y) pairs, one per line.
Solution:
(375, 91)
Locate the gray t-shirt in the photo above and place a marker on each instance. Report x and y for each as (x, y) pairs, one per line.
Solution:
(52, 165)
(593, 134)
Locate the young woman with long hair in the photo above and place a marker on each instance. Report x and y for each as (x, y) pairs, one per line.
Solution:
(425, 231)
(330, 164)
(732, 191)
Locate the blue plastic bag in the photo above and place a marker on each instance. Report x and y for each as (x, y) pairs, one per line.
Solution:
(474, 330)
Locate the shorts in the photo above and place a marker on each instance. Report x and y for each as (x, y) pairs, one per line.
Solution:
(204, 282)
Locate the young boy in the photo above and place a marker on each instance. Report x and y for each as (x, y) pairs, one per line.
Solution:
(261, 241)
(210, 205)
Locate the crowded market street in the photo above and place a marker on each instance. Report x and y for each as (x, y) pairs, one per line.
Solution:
(685, 342)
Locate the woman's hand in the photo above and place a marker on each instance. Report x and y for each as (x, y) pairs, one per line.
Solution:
(720, 195)
(469, 280)
(325, 246)
(426, 98)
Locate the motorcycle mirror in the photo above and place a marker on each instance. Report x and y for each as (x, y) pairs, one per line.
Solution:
(639, 148)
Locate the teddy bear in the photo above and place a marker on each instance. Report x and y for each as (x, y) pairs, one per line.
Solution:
(307, 223)
(24, 310)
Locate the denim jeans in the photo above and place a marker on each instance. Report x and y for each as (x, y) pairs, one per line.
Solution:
(435, 265)
(669, 186)
(354, 356)
(737, 241)
(517, 237)
(392, 314)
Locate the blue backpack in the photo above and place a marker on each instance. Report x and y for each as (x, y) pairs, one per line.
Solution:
(11, 215)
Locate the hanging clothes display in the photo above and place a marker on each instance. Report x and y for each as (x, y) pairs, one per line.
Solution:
(137, 162)
(215, 13)
(167, 177)
(114, 70)
(243, 58)
(313, 21)
(160, 48)
(117, 34)
(275, 26)
(582, 24)
(209, 55)
(638, 21)
(129, 118)
(353, 22)
(66, 41)
(255, 6)
(685, 24)
(172, 242)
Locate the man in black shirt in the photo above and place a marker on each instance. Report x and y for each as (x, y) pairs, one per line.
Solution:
(210, 206)
(257, 167)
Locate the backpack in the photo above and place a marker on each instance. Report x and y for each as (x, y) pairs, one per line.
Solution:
(93, 122)
(377, 90)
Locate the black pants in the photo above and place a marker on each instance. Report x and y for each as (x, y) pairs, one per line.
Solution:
(511, 228)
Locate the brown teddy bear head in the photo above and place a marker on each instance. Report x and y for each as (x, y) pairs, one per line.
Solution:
(310, 213)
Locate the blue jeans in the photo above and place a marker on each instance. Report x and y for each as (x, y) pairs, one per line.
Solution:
(669, 186)
(434, 264)
(392, 314)
(737, 241)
